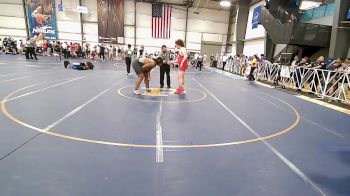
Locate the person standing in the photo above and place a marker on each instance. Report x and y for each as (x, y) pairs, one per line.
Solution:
(183, 65)
(27, 50)
(65, 50)
(142, 48)
(87, 50)
(102, 52)
(114, 55)
(253, 66)
(165, 67)
(135, 52)
(58, 51)
(98, 50)
(205, 58)
(31, 49)
(110, 54)
(200, 60)
(242, 64)
(119, 54)
(224, 60)
(128, 56)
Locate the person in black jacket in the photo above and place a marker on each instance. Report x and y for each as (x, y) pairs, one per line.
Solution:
(165, 67)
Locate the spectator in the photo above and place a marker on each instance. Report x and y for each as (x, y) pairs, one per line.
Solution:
(110, 52)
(135, 52)
(305, 61)
(267, 4)
(345, 68)
(87, 50)
(58, 51)
(261, 60)
(253, 66)
(200, 60)
(294, 62)
(102, 52)
(49, 45)
(142, 48)
(119, 53)
(292, 18)
(224, 60)
(243, 63)
(333, 66)
(114, 49)
(31, 48)
(205, 57)
(65, 50)
(319, 64)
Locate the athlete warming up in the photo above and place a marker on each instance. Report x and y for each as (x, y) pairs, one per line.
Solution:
(183, 65)
(143, 67)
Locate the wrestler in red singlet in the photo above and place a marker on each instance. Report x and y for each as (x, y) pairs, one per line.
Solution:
(183, 65)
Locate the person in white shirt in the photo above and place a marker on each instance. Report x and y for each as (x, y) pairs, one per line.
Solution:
(98, 49)
(224, 60)
(65, 50)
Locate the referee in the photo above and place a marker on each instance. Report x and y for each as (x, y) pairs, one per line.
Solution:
(165, 67)
(128, 56)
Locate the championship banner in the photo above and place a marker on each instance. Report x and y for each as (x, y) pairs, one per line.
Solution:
(256, 17)
(110, 15)
(42, 19)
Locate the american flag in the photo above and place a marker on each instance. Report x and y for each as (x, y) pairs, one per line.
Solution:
(161, 21)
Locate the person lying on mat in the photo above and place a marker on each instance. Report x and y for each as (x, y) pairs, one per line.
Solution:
(79, 66)
(143, 67)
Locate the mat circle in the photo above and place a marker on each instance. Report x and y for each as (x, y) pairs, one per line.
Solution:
(131, 145)
(174, 98)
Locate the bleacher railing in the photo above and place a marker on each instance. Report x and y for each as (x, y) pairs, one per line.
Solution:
(325, 84)
(318, 12)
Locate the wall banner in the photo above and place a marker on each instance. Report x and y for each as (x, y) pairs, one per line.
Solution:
(42, 19)
(110, 15)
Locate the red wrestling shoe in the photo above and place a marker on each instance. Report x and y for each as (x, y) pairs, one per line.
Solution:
(180, 90)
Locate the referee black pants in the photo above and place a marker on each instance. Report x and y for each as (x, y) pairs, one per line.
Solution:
(165, 69)
(128, 63)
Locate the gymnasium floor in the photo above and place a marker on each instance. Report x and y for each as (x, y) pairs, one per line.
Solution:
(68, 132)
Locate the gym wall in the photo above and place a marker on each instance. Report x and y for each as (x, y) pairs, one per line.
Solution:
(254, 38)
(208, 26)
(12, 19)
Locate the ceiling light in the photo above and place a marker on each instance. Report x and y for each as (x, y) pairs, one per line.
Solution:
(225, 3)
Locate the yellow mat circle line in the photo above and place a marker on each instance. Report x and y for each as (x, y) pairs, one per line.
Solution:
(53, 133)
(157, 101)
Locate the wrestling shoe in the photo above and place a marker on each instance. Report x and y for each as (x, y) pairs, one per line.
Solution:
(180, 90)
(137, 92)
